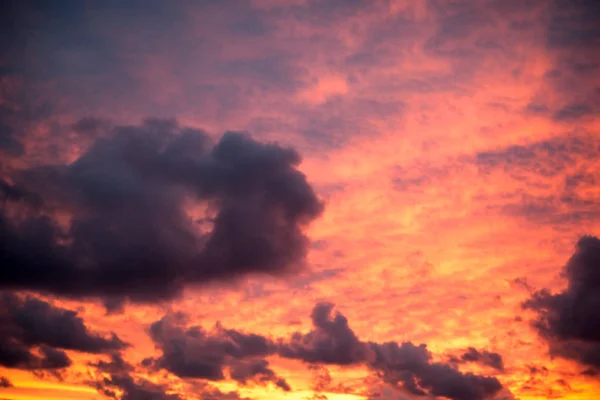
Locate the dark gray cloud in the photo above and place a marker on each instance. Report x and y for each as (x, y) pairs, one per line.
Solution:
(405, 366)
(195, 353)
(53, 358)
(192, 352)
(116, 379)
(570, 320)
(115, 376)
(483, 357)
(36, 322)
(5, 382)
(130, 236)
(34, 333)
(410, 367)
(330, 342)
(256, 371)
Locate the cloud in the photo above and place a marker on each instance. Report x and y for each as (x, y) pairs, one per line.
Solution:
(482, 357)
(5, 382)
(405, 365)
(572, 112)
(570, 320)
(192, 352)
(29, 324)
(129, 232)
(257, 371)
(116, 375)
(195, 353)
(330, 342)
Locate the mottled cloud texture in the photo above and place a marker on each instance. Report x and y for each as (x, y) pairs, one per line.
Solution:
(187, 189)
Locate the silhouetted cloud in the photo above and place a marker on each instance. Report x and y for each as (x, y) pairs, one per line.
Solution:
(5, 382)
(130, 233)
(483, 357)
(405, 365)
(192, 352)
(29, 323)
(330, 342)
(256, 371)
(133, 389)
(570, 320)
(115, 374)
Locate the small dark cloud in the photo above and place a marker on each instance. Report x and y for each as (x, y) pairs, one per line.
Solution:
(330, 342)
(570, 320)
(130, 235)
(36, 322)
(133, 389)
(192, 352)
(410, 367)
(29, 324)
(115, 376)
(482, 357)
(256, 371)
(53, 358)
(572, 112)
(115, 365)
(5, 382)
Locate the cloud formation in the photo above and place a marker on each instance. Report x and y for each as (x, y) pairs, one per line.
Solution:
(116, 377)
(5, 382)
(194, 353)
(570, 320)
(118, 221)
(483, 357)
(34, 334)
(330, 342)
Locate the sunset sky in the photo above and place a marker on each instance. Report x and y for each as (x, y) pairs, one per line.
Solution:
(303, 199)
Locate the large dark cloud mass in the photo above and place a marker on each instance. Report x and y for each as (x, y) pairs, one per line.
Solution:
(116, 222)
(33, 334)
(192, 352)
(570, 320)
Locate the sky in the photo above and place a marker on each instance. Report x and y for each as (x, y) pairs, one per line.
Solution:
(304, 200)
